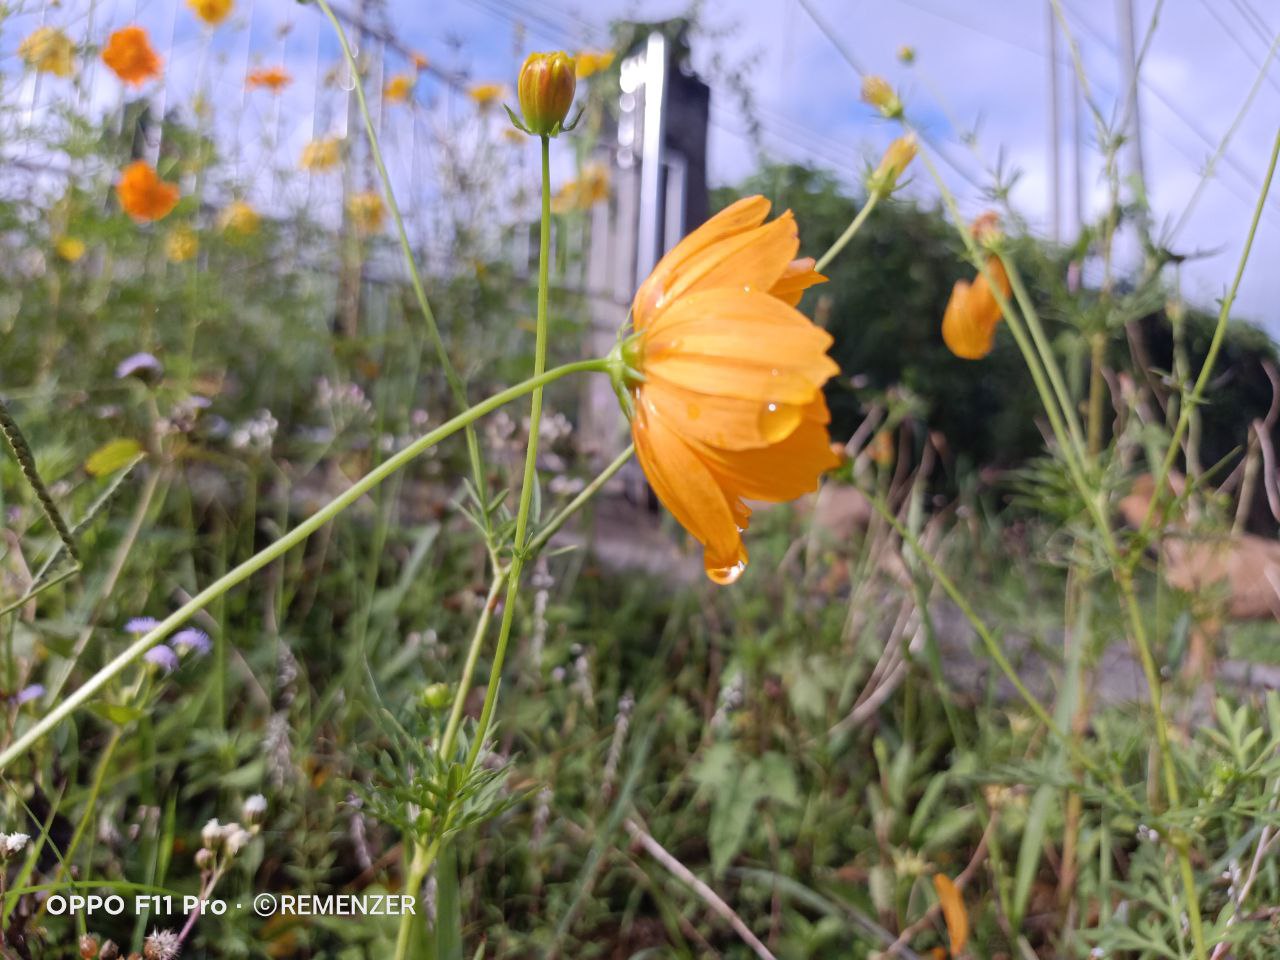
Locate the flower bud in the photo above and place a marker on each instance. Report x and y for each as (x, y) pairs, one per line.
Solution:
(89, 946)
(986, 228)
(877, 92)
(547, 84)
(907, 54)
(436, 696)
(204, 858)
(893, 164)
(253, 809)
(109, 951)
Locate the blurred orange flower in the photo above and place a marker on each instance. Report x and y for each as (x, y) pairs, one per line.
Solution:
(399, 88)
(274, 79)
(726, 378)
(419, 60)
(969, 323)
(593, 61)
(128, 52)
(143, 195)
(321, 155)
(487, 94)
(367, 211)
(48, 50)
(212, 12)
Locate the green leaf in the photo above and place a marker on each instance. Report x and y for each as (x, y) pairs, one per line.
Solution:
(112, 456)
(1029, 852)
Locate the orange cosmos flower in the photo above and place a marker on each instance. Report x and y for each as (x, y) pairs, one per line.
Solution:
(274, 79)
(399, 88)
(128, 52)
(969, 323)
(142, 193)
(726, 378)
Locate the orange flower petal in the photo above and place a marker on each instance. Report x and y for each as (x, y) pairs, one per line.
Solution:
(687, 488)
(737, 344)
(731, 423)
(743, 215)
(754, 259)
(783, 471)
(795, 280)
(953, 912)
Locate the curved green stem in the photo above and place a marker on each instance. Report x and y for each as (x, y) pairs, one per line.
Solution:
(872, 199)
(281, 546)
(456, 386)
(519, 547)
(1210, 357)
(469, 667)
(576, 504)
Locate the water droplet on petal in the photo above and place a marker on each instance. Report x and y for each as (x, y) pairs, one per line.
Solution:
(778, 421)
(726, 575)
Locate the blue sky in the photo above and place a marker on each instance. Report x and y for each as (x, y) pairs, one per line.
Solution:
(979, 67)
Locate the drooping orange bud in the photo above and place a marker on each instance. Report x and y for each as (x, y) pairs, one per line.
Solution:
(547, 84)
(969, 323)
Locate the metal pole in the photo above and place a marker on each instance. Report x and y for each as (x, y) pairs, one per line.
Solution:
(655, 92)
(1077, 142)
(1133, 118)
(1055, 129)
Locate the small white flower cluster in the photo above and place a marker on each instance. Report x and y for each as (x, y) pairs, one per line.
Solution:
(161, 945)
(257, 433)
(222, 841)
(12, 844)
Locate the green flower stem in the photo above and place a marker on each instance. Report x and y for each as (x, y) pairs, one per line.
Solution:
(281, 546)
(994, 650)
(469, 667)
(456, 386)
(1190, 404)
(577, 503)
(519, 544)
(872, 199)
(418, 867)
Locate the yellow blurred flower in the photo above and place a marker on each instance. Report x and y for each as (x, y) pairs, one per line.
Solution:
(591, 62)
(878, 92)
(513, 136)
(589, 189)
(367, 211)
(893, 164)
(399, 88)
(487, 94)
(212, 12)
(321, 155)
(907, 54)
(240, 219)
(881, 448)
(48, 50)
(70, 249)
(181, 244)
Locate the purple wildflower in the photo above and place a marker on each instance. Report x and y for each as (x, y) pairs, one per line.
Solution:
(33, 692)
(163, 657)
(144, 366)
(141, 625)
(191, 640)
